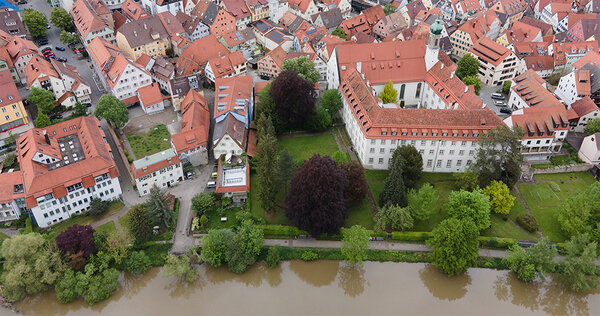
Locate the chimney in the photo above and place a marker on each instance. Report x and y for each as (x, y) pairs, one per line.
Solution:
(359, 66)
(145, 26)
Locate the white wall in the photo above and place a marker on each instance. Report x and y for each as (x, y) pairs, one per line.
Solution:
(163, 178)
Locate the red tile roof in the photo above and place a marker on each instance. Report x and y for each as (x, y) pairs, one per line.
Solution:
(490, 51)
(233, 95)
(529, 87)
(194, 58)
(195, 122)
(150, 94)
(8, 90)
(541, 122)
(584, 106)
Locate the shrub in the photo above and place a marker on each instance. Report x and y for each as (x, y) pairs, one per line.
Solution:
(528, 222)
(494, 242)
(98, 207)
(273, 256)
(138, 262)
(377, 233)
(309, 256)
(28, 226)
(281, 230)
(554, 186)
(411, 236)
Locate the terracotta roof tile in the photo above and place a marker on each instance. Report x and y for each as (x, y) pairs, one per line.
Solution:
(150, 94)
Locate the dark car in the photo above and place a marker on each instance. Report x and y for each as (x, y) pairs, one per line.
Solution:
(45, 49)
(43, 41)
(52, 56)
(56, 116)
(61, 59)
(505, 110)
(22, 2)
(60, 48)
(265, 77)
(87, 105)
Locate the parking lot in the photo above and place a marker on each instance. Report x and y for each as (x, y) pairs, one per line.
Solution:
(486, 96)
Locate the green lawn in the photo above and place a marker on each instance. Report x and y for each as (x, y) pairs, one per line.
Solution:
(158, 139)
(214, 219)
(360, 214)
(278, 217)
(376, 174)
(85, 219)
(302, 148)
(110, 228)
(543, 201)
(124, 222)
(3, 236)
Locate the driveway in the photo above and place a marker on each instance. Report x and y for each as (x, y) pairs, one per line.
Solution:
(485, 94)
(84, 67)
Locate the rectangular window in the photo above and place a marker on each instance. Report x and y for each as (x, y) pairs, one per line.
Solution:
(429, 163)
(371, 160)
(458, 163)
(382, 150)
(438, 163)
(449, 164)
(380, 161)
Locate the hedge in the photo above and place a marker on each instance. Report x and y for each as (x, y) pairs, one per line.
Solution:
(495, 242)
(28, 226)
(411, 236)
(281, 230)
(528, 222)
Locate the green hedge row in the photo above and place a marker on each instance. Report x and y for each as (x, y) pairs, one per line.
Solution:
(495, 242)
(411, 236)
(281, 230)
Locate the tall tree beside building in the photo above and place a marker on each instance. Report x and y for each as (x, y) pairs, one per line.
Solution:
(454, 245)
(473, 81)
(42, 98)
(499, 156)
(592, 127)
(294, 99)
(140, 226)
(286, 169)
(62, 19)
(264, 126)
(159, 207)
(501, 201)
(331, 100)
(113, 110)
(389, 94)
(357, 187)
(265, 106)
(68, 38)
(42, 120)
(36, 22)
(304, 67)
(266, 170)
(340, 33)
(467, 66)
(412, 168)
(315, 202)
(75, 239)
(474, 206)
(394, 191)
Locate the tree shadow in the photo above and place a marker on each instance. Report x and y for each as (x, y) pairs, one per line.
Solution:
(442, 286)
(352, 280)
(508, 288)
(321, 276)
(559, 300)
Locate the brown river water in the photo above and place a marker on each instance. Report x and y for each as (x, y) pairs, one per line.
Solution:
(328, 288)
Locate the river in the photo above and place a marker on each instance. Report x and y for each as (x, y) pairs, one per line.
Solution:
(328, 288)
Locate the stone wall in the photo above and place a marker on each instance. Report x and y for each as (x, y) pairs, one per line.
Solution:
(568, 168)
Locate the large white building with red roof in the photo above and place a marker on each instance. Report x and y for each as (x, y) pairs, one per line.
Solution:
(442, 118)
(63, 167)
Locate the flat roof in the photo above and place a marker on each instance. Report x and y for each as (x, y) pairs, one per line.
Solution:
(233, 176)
(154, 158)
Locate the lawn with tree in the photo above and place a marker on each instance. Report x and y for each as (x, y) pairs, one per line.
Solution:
(340, 33)
(454, 245)
(294, 99)
(42, 98)
(389, 94)
(394, 190)
(499, 156)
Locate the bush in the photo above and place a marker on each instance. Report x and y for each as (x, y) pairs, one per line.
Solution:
(273, 256)
(411, 236)
(137, 263)
(28, 226)
(554, 186)
(281, 230)
(98, 207)
(309, 256)
(377, 233)
(528, 222)
(494, 242)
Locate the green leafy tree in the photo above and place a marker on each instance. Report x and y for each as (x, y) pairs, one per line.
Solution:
(389, 8)
(506, 86)
(578, 270)
(98, 281)
(286, 169)
(473, 81)
(355, 243)
(36, 22)
(467, 180)
(138, 262)
(340, 156)
(98, 206)
(203, 221)
(467, 66)
(117, 247)
(412, 167)
(389, 94)
(499, 156)
(421, 203)
(340, 33)
(65, 287)
(181, 268)
(592, 127)
(265, 106)
(29, 266)
(581, 212)
(140, 226)
(112, 110)
(44, 99)
(470, 205)
(394, 192)
(214, 246)
(79, 110)
(250, 238)
(304, 67)
(159, 207)
(331, 100)
(273, 256)
(394, 216)
(454, 245)
(202, 203)
(501, 201)
(536, 261)
(62, 19)
(69, 38)
(264, 126)
(266, 170)
(42, 120)
(319, 121)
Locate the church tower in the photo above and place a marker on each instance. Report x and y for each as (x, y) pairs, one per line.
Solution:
(433, 46)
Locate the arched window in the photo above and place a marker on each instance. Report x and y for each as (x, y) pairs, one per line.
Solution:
(418, 94)
(402, 91)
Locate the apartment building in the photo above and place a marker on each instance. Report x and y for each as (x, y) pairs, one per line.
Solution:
(496, 62)
(230, 65)
(145, 36)
(162, 169)
(155, 7)
(93, 19)
(64, 166)
(191, 141)
(12, 111)
(10, 22)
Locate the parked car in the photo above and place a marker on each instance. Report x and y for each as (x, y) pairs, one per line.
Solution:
(22, 2)
(61, 59)
(497, 96)
(506, 111)
(499, 103)
(46, 49)
(48, 26)
(211, 184)
(56, 116)
(213, 175)
(43, 41)
(78, 50)
(264, 77)
(60, 48)
(52, 56)
(87, 105)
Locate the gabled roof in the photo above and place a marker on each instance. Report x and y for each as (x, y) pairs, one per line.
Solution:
(195, 122)
(8, 90)
(375, 13)
(223, 66)
(144, 31)
(232, 127)
(544, 27)
(110, 60)
(584, 106)
(237, 8)
(490, 51)
(301, 5)
(133, 10)
(86, 18)
(150, 94)
(38, 67)
(154, 162)
(194, 58)
(233, 95)
(331, 18)
(529, 87)
(540, 121)
(591, 57)
(278, 55)
(521, 32)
